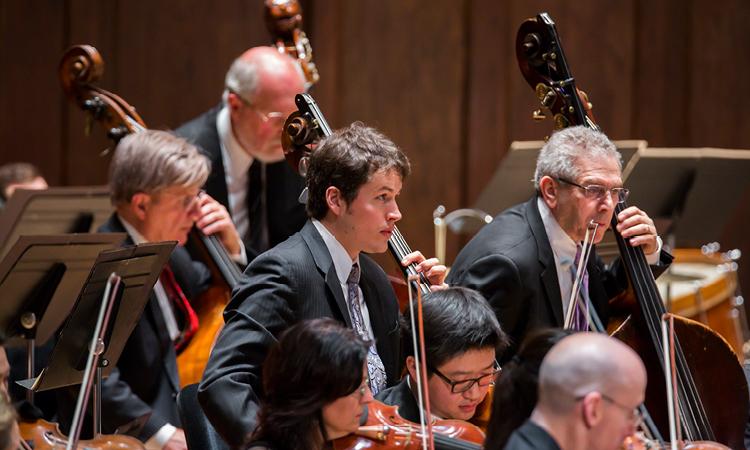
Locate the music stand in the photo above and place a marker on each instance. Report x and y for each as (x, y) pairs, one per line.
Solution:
(512, 182)
(681, 187)
(139, 267)
(40, 278)
(53, 211)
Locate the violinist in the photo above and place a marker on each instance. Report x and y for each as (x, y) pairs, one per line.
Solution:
(155, 180)
(242, 138)
(524, 262)
(462, 337)
(9, 437)
(353, 180)
(589, 388)
(315, 384)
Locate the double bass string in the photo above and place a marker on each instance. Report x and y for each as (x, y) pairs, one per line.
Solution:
(694, 415)
(400, 248)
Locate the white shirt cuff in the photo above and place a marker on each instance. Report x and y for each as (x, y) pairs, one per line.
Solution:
(160, 438)
(653, 258)
(242, 257)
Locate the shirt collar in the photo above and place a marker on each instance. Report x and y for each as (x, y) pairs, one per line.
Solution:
(562, 245)
(341, 260)
(132, 231)
(239, 160)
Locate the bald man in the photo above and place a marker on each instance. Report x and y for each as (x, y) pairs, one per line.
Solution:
(242, 138)
(589, 388)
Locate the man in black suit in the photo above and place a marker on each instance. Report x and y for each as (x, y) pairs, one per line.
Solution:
(155, 181)
(523, 262)
(462, 340)
(353, 180)
(589, 388)
(241, 137)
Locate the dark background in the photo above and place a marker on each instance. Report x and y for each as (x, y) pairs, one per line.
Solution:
(438, 76)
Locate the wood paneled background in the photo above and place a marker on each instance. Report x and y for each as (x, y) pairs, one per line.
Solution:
(437, 76)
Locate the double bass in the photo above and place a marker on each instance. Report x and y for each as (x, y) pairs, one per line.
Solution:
(80, 67)
(713, 392)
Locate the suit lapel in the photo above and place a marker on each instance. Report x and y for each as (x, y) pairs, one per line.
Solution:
(324, 263)
(548, 274)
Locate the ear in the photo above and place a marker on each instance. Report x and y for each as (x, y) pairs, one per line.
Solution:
(139, 205)
(411, 367)
(592, 409)
(234, 102)
(335, 201)
(549, 189)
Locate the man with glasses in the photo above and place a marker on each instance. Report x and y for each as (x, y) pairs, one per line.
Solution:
(590, 386)
(525, 261)
(155, 180)
(242, 138)
(462, 338)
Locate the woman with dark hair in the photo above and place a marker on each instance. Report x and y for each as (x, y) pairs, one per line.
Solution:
(516, 390)
(315, 385)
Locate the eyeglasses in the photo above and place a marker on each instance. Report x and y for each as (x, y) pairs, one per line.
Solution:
(634, 414)
(273, 116)
(597, 192)
(458, 387)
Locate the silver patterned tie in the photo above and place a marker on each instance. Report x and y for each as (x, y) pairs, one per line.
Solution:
(375, 368)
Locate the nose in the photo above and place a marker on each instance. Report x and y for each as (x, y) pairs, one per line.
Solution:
(394, 215)
(367, 398)
(475, 392)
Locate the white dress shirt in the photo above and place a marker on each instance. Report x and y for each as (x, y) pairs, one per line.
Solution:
(343, 265)
(236, 163)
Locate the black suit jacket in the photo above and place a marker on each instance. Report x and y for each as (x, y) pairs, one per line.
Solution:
(530, 436)
(401, 395)
(293, 281)
(285, 214)
(139, 396)
(510, 261)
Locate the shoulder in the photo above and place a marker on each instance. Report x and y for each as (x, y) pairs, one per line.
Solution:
(201, 131)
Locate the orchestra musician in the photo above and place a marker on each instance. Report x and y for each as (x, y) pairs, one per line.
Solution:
(523, 261)
(9, 435)
(242, 138)
(462, 337)
(19, 175)
(315, 385)
(155, 180)
(515, 392)
(353, 180)
(589, 388)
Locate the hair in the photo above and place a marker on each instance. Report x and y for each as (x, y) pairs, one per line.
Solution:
(154, 160)
(15, 173)
(244, 75)
(346, 160)
(7, 422)
(456, 320)
(516, 389)
(559, 157)
(314, 363)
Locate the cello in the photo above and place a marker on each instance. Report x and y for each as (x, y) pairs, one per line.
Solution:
(712, 389)
(80, 67)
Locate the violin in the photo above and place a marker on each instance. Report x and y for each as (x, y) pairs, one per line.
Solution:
(42, 435)
(713, 391)
(384, 429)
(81, 66)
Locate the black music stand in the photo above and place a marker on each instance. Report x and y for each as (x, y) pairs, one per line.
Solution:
(53, 211)
(691, 193)
(139, 267)
(40, 278)
(512, 182)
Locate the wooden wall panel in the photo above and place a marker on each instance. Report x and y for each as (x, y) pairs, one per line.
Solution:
(438, 77)
(30, 122)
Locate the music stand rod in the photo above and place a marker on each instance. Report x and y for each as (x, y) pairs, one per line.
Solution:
(96, 349)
